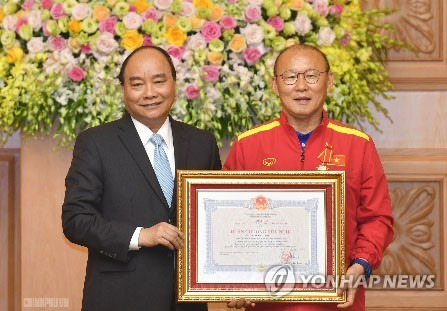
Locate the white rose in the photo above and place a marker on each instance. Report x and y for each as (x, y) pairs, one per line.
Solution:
(81, 11)
(303, 24)
(35, 45)
(255, 2)
(132, 20)
(188, 9)
(253, 34)
(35, 19)
(163, 4)
(325, 36)
(105, 43)
(9, 22)
(196, 42)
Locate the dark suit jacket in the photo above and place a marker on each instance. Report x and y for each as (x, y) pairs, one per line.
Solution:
(111, 188)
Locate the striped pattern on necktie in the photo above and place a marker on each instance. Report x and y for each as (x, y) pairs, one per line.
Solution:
(162, 168)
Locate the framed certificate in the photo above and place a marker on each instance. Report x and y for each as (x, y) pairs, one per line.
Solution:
(264, 236)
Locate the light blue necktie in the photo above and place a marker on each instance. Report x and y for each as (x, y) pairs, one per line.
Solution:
(162, 168)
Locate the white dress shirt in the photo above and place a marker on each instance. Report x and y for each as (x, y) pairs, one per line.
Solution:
(145, 134)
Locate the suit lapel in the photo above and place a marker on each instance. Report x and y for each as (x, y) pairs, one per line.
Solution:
(131, 140)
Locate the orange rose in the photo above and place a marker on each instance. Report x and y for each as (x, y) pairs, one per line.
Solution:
(203, 4)
(216, 13)
(131, 40)
(2, 14)
(196, 22)
(215, 58)
(237, 44)
(141, 6)
(175, 36)
(101, 12)
(169, 20)
(295, 4)
(74, 26)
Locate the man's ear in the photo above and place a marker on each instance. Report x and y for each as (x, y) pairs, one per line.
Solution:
(274, 82)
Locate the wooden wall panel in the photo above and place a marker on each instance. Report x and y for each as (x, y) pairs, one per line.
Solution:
(420, 23)
(9, 230)
(52, 267)
(418, 187)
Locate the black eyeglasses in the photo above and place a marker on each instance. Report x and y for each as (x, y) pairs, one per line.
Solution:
(310, 75)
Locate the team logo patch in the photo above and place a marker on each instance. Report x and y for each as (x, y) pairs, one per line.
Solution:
(269, 161)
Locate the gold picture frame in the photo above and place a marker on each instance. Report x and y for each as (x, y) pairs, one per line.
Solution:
(261, 235)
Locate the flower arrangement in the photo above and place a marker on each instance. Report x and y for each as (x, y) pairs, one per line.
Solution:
(59, 59)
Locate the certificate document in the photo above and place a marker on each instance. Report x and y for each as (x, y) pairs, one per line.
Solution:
(242, 233)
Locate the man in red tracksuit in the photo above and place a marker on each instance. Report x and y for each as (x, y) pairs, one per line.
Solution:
(304, 138)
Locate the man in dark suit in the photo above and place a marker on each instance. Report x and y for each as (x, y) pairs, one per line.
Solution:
(119, 198)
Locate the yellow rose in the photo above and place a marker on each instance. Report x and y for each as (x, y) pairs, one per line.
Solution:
(215, 58)
(295, 4)
(74, 44)
(141, 6)
(2, 14)
(15, 55)
(74, 26)
(196, 22)
(203, 4)
(112, 3)
(291, 42)
(131, 40)
(217, 13)
(169, 20)
(237, 44)
(175, 36)
(100, 13)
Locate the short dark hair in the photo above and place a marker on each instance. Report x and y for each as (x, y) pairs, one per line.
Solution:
(153, 47)
(303, 47)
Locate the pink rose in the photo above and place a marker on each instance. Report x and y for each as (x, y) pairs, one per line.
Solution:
(188, 9)
(303, 24)
(163, 4)
(153, 14)
(106, 44)
(232, 1)
(336, 9)
(132, 8)
(147, 40)
(251, 55)
(228, 22)
(28, 5)
(132, 20)
(276, 22)
(20, 22)
(81, 11)
(76, 74)
(57, 11)
(191, 92)
(321, 7)
(85, 48)
(108, 24)
(57, 43)
(176, 52)
(210, 73)
(46, 4)
(35, 19)
(35, 45)
(210, 30)
(325, 36)
(45, 30)
(252, 13)
(344, 41)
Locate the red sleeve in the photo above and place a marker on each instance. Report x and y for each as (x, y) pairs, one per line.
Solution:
(374, 217)
(235, 158)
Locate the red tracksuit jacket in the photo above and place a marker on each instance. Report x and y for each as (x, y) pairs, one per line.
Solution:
(369, 222)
